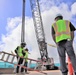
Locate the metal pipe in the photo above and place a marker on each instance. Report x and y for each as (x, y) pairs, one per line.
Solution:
(23, 23)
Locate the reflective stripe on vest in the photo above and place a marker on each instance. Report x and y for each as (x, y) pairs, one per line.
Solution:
(63, 32)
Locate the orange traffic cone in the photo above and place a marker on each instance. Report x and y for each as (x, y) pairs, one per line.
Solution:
(70, 68)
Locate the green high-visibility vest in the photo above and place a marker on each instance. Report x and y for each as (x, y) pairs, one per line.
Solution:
(19, 51)
(62, 30)
(26, 56)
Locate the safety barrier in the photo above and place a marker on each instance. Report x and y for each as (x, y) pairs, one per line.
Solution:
(70, 68)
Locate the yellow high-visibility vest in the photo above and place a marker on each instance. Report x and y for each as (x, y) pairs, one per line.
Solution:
(26, 56)
(62, 30)
(19, 51)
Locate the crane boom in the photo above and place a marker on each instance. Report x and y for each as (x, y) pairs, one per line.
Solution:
(39, 29)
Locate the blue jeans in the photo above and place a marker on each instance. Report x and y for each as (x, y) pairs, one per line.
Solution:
(62, 49)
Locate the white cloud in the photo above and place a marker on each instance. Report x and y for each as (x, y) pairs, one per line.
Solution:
(13, 22)
(44, 5)
(13, 36)
(73, 8)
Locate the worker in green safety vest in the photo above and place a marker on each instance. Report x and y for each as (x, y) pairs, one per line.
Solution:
(19, 52)
(25, 51)
(63, 36)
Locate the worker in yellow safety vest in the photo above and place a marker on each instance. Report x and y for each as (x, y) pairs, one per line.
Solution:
(26, 59)
(63, 35)
(19, 52)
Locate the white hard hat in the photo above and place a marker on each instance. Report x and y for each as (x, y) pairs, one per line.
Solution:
(58, 15)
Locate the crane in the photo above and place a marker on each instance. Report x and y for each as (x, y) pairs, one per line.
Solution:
(39, 29)
(38, 24)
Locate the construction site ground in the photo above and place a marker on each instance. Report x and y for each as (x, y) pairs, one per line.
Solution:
(50, 72)
(56, 72)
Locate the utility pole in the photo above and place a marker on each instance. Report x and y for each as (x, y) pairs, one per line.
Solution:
(23, 23)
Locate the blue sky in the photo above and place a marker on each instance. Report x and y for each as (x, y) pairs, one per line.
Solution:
(10, 22)
(11, 8)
